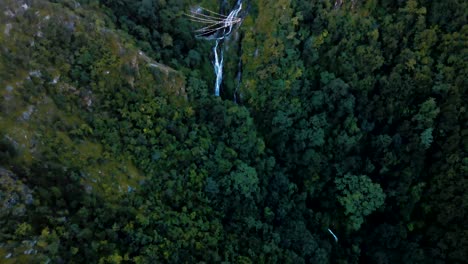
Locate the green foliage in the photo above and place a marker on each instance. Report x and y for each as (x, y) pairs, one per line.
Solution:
(426, 138)
(428, 111)
(244, 180)
(350, 116)
(359, 196)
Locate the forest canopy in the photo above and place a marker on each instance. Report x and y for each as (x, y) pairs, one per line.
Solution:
(340, 134)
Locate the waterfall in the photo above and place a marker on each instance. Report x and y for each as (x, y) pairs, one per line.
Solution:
(226, 29)
(217, 27)
(218, 66)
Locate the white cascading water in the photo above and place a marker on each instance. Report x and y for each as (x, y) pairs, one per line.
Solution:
(218, 67)
(218, 27)
(219, 56)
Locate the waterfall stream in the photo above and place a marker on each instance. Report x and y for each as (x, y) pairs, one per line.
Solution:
(217, 26)
(218, 66)
(219, 55)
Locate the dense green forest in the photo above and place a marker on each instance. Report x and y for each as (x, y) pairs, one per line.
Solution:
(340, 136)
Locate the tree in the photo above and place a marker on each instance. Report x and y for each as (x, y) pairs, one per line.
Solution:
(359, 196)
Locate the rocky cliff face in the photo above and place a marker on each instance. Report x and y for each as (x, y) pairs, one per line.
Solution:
(14, 194)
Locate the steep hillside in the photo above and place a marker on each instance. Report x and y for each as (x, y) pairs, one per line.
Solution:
(340, 134)
(58, 63)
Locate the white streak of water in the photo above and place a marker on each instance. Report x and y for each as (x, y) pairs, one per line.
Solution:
(219, 56)
(334, 236)
(218, 67)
